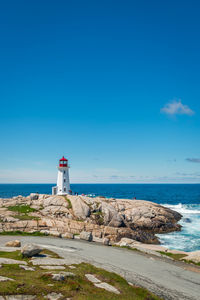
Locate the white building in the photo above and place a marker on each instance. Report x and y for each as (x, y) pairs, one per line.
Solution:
(63, 185)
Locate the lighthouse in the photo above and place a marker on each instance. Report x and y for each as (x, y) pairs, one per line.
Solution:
(63, 185)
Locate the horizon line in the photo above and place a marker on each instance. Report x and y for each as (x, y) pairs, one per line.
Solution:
(103, 183)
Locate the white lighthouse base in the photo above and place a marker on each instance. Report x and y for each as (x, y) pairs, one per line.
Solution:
(55, 191)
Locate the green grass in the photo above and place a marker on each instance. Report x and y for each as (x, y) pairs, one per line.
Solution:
(22, 209)
(18, 232)
(69, 203)
(13, 255)
(78, 287)
(18, 256)
(22, 212)
(191, 262)
(172, 255)
(179, 257)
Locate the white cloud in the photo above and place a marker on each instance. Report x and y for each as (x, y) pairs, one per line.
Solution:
(177, 108)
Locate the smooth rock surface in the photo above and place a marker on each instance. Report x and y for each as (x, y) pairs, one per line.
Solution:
(26, 268)
(52, 267)
(92, 278)
(80, 208)
(107, 287)
(2, 278)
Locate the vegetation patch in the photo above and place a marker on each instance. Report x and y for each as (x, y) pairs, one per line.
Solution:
(13, 255)
(40, 283)
(172, 255)
(179, 257)
(23, 217)
(69, 203)
(22, 209)
(50, 253)
(191, 262)
(23, 212)
(18, 232)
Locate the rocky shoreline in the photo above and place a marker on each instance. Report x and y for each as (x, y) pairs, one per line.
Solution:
(99, 219)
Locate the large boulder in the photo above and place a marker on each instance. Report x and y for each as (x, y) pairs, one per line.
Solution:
(111, 216)
(116, 221)
(149, 216)
(80, 209)
(30, 250)
(14, 243)
(87, 236)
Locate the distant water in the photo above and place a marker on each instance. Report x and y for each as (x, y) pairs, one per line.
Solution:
(184, 198)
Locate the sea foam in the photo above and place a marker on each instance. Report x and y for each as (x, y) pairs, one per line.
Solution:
(188, 239)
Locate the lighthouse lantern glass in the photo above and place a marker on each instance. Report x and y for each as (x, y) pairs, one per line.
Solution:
(62, 163)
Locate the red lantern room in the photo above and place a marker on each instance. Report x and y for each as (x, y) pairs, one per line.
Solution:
(63, 162)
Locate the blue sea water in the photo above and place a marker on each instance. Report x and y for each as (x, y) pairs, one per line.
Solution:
(184, 198)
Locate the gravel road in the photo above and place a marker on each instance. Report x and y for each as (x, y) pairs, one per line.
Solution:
(167, 279)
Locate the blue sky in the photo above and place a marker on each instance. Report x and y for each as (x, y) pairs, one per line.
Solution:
(112, 85)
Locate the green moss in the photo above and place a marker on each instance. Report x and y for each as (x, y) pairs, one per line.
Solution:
(21, 209)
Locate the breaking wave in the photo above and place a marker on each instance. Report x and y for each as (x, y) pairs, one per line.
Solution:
(188, 239)
(185, 208)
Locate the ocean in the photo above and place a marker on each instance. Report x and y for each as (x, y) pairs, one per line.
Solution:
(184, 198)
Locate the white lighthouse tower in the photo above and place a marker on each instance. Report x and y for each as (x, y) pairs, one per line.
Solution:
(63, 185)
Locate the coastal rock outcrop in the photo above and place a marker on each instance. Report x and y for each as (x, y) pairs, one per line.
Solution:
(104, 219)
